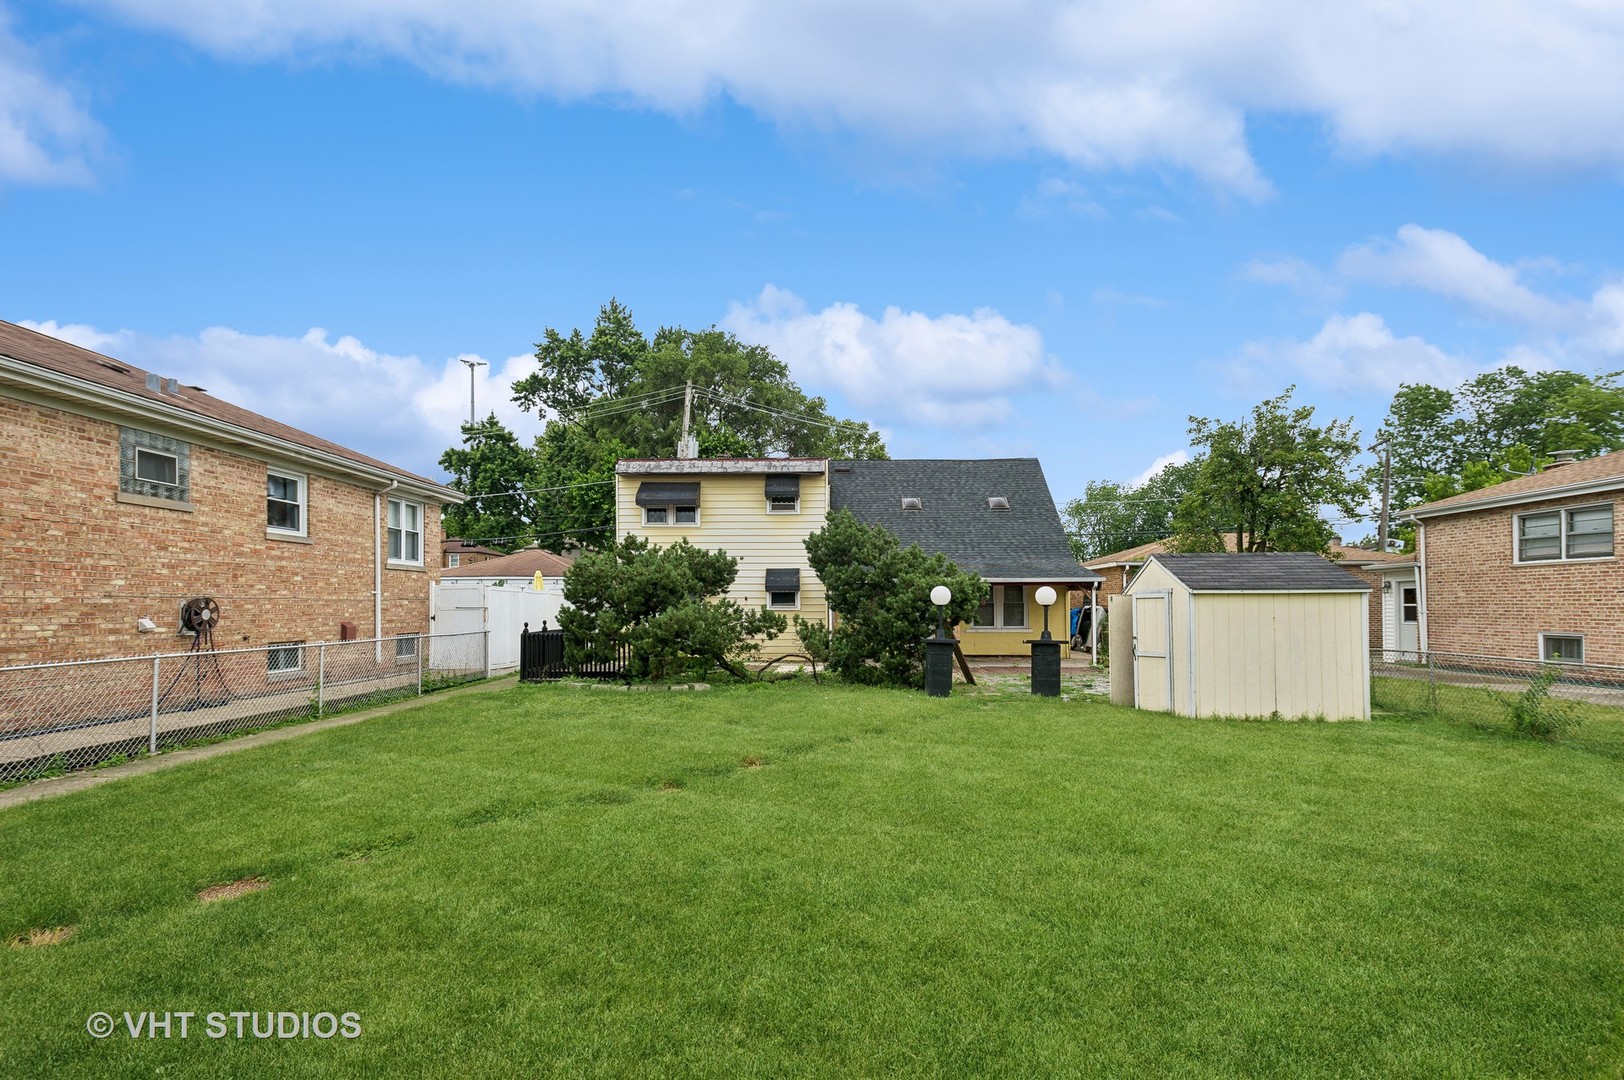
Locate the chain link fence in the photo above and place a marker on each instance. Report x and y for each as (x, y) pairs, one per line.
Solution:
(1492, 691)
(55, 718)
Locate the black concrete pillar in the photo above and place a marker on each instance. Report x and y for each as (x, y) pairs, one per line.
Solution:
(1045, 667)
(939, 666)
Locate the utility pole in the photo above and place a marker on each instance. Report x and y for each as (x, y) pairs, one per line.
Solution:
(1387, 488)
(472, 364)
(687, 447)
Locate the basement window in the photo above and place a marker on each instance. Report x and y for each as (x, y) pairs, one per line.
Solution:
(1562, 648)
(405, 648)
(284, 657)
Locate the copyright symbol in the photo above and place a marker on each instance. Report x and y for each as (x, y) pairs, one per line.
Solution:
(100, 1025)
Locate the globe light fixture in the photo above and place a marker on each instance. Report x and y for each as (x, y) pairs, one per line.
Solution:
(941, 596)
(1046, 597)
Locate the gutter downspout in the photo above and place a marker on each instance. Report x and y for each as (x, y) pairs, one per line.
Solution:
(1420, 584)
(377, 569)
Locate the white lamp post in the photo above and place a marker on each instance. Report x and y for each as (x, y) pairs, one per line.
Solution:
(1046, 597)
(941, 596)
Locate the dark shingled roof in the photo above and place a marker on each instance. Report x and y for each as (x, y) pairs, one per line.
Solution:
(1275, 571)
(1022, 544)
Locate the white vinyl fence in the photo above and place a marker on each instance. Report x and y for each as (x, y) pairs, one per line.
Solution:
(504, 610)
(59, 717)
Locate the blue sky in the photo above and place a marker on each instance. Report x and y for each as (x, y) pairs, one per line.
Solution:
(1020, 228)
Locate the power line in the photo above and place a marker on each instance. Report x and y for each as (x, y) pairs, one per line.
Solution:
(528, 536)
(538, 491)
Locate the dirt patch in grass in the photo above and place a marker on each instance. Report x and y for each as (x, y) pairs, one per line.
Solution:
(671, 785)
(43, 935)
(751, 763)
(230, 891)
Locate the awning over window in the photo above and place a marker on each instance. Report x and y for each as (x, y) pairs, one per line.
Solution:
(666, 493)
(784, 485)
(783, 580)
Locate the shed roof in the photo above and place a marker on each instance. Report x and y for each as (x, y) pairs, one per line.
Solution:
(1275, 571)
(1345, 553)
(1024, 543)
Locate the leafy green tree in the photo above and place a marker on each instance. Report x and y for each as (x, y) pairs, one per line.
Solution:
(617, 393)
(624, 386)
(666, 604)
(1265, 478)
(881, 591)
(500, 472)
(1112, 516)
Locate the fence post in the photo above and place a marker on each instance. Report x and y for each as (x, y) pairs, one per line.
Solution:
(1432, 685)
(321, 679)
(152, 736)
(420, 665)
(487, 652)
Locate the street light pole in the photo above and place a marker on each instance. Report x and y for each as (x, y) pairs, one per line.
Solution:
(472, 364)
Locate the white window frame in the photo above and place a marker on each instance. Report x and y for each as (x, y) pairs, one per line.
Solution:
(174, 459)
(670, 512)
(1562, 556)
(453, 560)
(397, 533)
(302, 503)
(409, 657)
(998, 623)
(295, 647)
(1545, 656)
(795, 508)
(774, 606)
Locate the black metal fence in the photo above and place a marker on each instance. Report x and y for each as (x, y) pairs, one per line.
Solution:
(541, 659)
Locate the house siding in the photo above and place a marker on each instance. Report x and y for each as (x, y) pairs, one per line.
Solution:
(78, 566)
(733, 518)
(1478, 600)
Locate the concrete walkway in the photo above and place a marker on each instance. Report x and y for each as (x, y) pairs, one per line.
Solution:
(79, 781)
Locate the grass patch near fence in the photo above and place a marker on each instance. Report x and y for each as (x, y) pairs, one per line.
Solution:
(1486, 708)
(798, 880)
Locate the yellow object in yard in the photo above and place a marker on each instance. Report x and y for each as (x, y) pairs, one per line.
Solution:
(536, 583)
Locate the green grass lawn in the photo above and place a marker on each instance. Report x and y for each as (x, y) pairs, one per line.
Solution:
(829, 881)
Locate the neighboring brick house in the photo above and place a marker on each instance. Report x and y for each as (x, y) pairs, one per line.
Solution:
(1526, 569)
(455, 552)
(1119, 567)
(123, 495)
(995, 517)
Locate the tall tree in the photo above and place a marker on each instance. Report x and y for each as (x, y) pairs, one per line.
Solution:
(1265, 479)
(499, 472)
(1112, 516)
(1495, 426)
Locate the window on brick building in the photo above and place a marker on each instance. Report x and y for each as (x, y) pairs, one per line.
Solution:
(1563, 648)
(285, 503)
(284, 656)
(154, 466)
(1581, 532)
(405, 532)
(405, 647)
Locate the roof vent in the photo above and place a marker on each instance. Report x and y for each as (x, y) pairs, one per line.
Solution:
(1560, 458)
(912, 502)
(997, 502)
(154, 383)
(842, 468)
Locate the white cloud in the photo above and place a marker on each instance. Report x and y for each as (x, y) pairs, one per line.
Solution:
(400, 409)
(1177, 457)
(1296, 274)
(1443, 263)
(950, 369)
(1101, 85)
(45, 137)
(1358, 355)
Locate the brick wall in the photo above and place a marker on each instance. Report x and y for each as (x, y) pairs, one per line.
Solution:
(1479, 601)
(78, 567)
(1373, 614)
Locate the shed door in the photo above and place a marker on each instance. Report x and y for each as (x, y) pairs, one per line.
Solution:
(1152, 640)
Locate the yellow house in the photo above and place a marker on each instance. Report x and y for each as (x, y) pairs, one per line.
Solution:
(758, 510)
(993, 517)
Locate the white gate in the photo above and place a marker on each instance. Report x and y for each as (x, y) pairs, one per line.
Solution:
(469, 607)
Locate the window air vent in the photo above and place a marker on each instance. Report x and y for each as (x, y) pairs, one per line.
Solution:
(997, 502)
(912, 502)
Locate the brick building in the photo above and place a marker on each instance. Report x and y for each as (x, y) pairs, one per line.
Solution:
(455, 552)
(123, 495)
(1526, 569)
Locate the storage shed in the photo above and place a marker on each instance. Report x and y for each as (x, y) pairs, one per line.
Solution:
(1247, 635)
